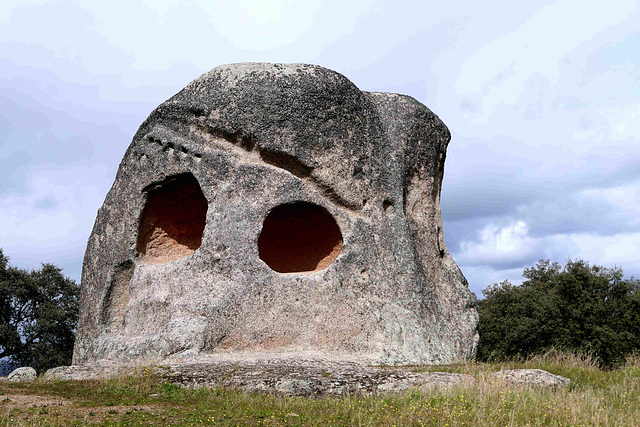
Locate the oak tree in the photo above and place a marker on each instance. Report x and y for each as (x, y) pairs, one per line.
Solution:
(573, 308)
(38, 315)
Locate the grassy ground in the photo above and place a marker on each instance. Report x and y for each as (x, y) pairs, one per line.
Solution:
(595, 398)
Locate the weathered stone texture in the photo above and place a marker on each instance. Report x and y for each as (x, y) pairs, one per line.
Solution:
(535, 377)
(308, 377)
(172, 274)
(22, 375)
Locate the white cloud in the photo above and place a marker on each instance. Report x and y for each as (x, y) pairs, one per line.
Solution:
(52, 221)
(503, 252)
(259, 24)
(498, 71)
(623, 202)
(501, 245)
(621, 249)
(36, 229)
(481, 276)
(262, 13)
(624, 121)
(51, 208)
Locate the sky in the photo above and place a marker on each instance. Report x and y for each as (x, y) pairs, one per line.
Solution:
(542, 99)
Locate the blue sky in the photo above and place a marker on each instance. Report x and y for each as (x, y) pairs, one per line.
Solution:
(542, 99)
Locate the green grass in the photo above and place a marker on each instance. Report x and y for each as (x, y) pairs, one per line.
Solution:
(596, 398)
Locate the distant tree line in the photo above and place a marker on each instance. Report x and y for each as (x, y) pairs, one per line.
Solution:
(572, 308)
(38, 315)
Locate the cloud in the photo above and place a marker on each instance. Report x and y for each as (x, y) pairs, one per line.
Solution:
(619, 249)
(504, 247)
(52, 221)
(623, 203)
(624, 121)
(34, 129)
(503, 252)
(14, 167)
(255, 24)
(486, 190)
(481, 276)
(499, 70)
(596, 219)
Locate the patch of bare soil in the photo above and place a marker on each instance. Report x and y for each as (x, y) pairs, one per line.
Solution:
(18, 409)
(19, 400)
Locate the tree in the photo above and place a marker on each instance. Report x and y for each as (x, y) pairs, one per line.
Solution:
(575, 308)
(38, 315)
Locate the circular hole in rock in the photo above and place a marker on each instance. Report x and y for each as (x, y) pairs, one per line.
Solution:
(172, 221)
(299, 237)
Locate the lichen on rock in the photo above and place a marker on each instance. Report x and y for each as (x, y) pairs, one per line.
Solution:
(272, 209)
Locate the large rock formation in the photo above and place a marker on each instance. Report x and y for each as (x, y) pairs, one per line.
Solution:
(272, 209)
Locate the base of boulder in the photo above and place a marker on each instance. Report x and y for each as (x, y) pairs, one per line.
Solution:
(300, 378)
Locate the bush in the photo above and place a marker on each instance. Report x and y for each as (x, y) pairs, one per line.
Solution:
(575, 308)
(38, 315)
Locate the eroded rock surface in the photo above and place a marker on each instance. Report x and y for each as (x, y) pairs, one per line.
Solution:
(277, 208)
(22, 375)
(294, 377)
(532, 377)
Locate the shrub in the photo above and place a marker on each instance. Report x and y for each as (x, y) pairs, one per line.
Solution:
(574, 308)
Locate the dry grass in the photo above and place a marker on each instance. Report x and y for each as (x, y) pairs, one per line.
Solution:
(595, 398)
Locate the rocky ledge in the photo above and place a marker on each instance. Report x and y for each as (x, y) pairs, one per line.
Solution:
(302, 378)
